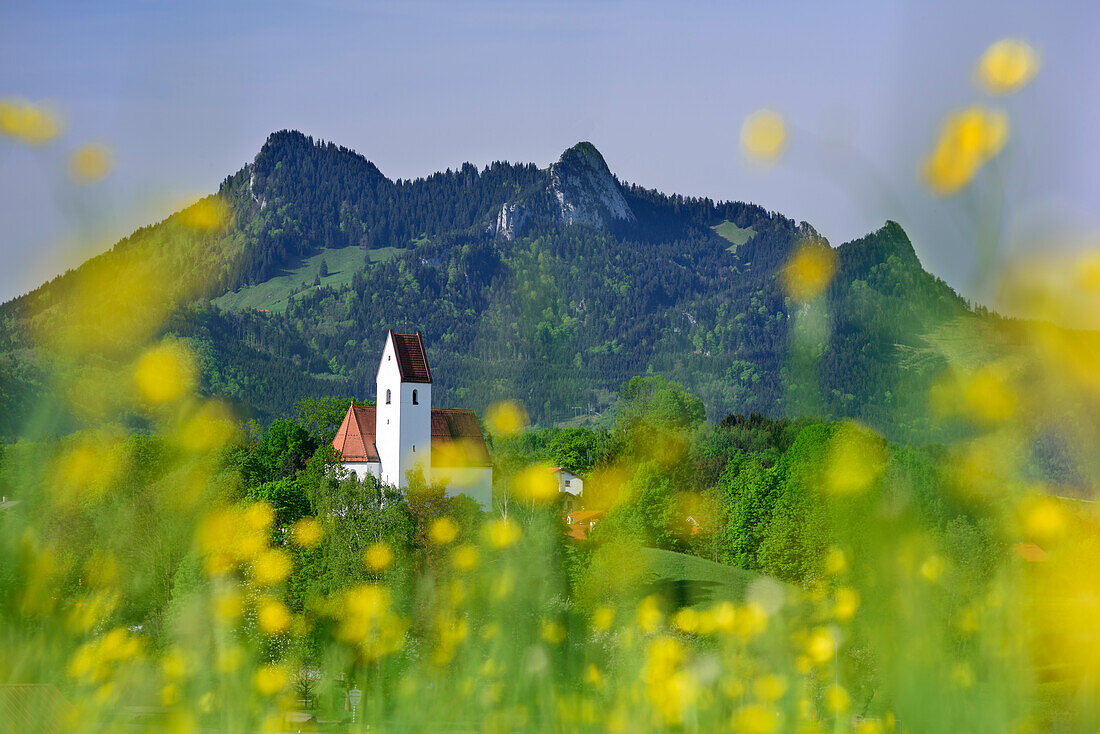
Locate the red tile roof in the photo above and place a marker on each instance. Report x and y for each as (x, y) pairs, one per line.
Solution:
(456, 437)
(457, 432)
(1030, 552)
(355, 438)
(412, 357)
(37, 707)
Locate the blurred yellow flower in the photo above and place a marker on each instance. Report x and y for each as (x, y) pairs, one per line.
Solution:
(847, 602)
(1043, 518)
(809, 271)
(820, 646)
(932, 568)
(273, 617)
(686, 620)
(465, 558)
(502, 532)
(763, 135)
(602, 618)
(90, 163)
(506, 418)
(552, 631)
(537, 483)
(208, 428)
(989, 396)
(836, 562)
(378, 557)
(856, 459)
(770, 688)
(270, 679)
(271, 567)
(443, 531)
(228, 606)
(307, 532)
(1007, 65)
(755, 719)
(837, 699)
(165, 372)
(207, 214)
(649, 614)
(28, 123)
(968, 139)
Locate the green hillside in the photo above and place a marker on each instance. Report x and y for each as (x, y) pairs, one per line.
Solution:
(274, 294)
(736, 235)
(697, 581)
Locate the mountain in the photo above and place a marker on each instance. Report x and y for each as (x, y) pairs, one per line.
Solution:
(551, 286)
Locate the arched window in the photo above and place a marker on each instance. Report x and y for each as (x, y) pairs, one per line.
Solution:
(387, 397)
(415, 402)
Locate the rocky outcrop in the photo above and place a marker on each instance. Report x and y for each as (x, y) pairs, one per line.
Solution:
(579, 190)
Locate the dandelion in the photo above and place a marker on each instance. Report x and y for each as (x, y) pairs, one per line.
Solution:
(770, 688)
(537, 484)
(552, 631)
(836, 562)
(755, 719)
(649, 614)
(90, 163)
(28, 123)
(686, 620)
(847, 602)
(932, 568)
(443, 531)
(968, 139)
(837, 699)
(271, 567)
(809, 271)
(505, 418)
(1043, 518)
(1007, 65)
(763, 135)
(306, 532)
(378, 557)
(465, 558)
(820, 646)
(270, 679)
(165, 373)
(602, 618)
(855, 460)
(273, 617)
(502, 532)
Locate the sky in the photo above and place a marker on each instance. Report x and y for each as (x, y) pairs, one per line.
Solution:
(185, 94)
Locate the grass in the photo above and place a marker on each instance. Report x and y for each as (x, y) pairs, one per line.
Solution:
(734, 234)
(692, 580)
(275, 293)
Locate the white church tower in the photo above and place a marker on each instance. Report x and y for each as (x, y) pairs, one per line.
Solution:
(403, 428)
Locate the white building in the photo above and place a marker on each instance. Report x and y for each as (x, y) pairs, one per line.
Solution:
(571, 486)
(403, 431)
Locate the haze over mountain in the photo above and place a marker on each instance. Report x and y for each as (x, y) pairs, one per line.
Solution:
(552, 286)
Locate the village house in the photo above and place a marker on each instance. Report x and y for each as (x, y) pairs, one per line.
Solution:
(402, 432)
(570, 487)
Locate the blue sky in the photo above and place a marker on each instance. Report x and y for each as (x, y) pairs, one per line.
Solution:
(186, 93)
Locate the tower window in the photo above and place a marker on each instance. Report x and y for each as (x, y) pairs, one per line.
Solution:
(415, 402)
(387, 397)
(414, 448)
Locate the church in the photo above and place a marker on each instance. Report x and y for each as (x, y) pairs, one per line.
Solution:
(402, 431)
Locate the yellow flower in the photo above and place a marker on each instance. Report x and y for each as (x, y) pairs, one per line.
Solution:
(809, 271)
(90, 163)
(553, 631)
(968, 139)
(1043, 518)
(835, 562)
(820, 646)
(206, 214)
(506, 418)
(537, 484)
(592, 676)
(465, 558)
(502, 532)
(1007, 65)
(273, 617)
(989, 396)
(271, 567)
(755, 719)
(837, 699)
(763, 135)
(770, 688)
(378, 557)
(270, 679)
(165, 373)
(443, 531)
(602, 618)
(932, 568)
(686, 620)
(847, 602)
(31, 124)
(307, 532)
(649, 614)
(856, 460)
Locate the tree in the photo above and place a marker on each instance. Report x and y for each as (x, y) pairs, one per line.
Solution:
(576, 449)
(323, 271)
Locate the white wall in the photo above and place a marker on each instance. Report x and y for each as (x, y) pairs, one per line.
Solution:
(575, 486)
(415, 428)
(362, 468)
(388, 417)
(473, 481)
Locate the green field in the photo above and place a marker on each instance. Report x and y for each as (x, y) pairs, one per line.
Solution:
(694, 580)
(274, 294)
(730, 231)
